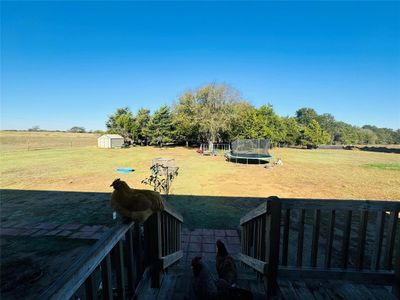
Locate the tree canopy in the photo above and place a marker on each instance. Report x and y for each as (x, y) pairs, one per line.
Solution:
(218, 113)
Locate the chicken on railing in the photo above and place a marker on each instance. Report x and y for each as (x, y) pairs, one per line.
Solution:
(134, 204)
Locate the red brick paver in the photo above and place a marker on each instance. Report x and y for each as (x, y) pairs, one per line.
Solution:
(201, 242)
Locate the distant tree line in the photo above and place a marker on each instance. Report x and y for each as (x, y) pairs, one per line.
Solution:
(74, 129)
(218, 113)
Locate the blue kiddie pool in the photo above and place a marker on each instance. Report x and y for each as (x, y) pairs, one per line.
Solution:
(125, 170)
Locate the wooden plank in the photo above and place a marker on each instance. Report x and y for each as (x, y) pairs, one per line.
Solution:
(380, 292)
(179, 236)
(274, 209)
(366, 293)
(130, 263)
(315, 238)
(172, 258)
(376, 257)
(244, 237)
(254, 239)
(285, 238)
(302, 290)
(258, 211)
(263, 238)
(286, 290)
(329, 290)
(119, 270)
(318, 290)
(159, 235)
(361, 276)
(348, 291)
(346, 239)
(259, 236)
(396, 284)
(330, 238)
(143, 284)
(138, 252)
(74, 277)
(337, 204)
(90, 288)
(390, 240)
(256, 264)
(300, 237)
(163, 233)
(362, 231)
(151, 227)
(106, 279)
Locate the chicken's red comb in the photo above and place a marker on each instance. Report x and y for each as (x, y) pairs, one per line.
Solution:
(196, 261)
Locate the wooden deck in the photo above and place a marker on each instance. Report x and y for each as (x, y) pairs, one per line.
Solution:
(177, 280)
(176, 285)
(286, 249)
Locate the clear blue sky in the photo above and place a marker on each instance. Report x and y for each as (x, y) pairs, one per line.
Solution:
(73, 63)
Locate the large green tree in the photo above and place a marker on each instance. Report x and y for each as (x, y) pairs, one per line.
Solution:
(305, 115)
(312, 135)
(141, 124)
(211, 109)
(161, 126)
(121, 122)
(215, 108)
(77, 129)
(185, 119)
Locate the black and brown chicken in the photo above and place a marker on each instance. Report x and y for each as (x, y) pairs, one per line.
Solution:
(134, 204)
(225, 264)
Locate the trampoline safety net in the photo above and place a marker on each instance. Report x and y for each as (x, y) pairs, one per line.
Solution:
(250, 147)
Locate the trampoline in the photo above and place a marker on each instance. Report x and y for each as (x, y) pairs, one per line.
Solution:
(249, 151)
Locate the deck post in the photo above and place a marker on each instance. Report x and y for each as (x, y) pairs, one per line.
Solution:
(273, 241)
(152, 236)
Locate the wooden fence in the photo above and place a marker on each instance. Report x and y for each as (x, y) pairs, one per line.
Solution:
(346, 239)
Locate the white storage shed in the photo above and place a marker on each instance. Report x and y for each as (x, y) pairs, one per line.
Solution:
(110, 141)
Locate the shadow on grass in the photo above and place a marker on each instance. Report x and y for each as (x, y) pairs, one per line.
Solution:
(60, 207)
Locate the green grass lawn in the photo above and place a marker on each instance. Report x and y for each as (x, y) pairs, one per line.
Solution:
(380, 166)
(202, 182)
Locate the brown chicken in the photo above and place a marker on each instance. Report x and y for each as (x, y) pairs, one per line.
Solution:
(226, 268)
(134, 204)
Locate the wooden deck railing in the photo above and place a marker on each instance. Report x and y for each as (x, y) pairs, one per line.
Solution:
(345, 239)
(113, 267)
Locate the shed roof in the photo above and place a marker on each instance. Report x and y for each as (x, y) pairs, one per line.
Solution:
(112, 136)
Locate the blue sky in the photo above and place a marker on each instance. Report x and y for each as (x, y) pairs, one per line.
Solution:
(67, 64)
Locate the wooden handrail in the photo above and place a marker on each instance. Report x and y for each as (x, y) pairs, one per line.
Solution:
(258, 211)
(65, 286)
(169, 209)
(172, 258)
(371, 205)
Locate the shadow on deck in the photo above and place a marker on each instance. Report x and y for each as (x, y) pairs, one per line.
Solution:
(285, 248)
